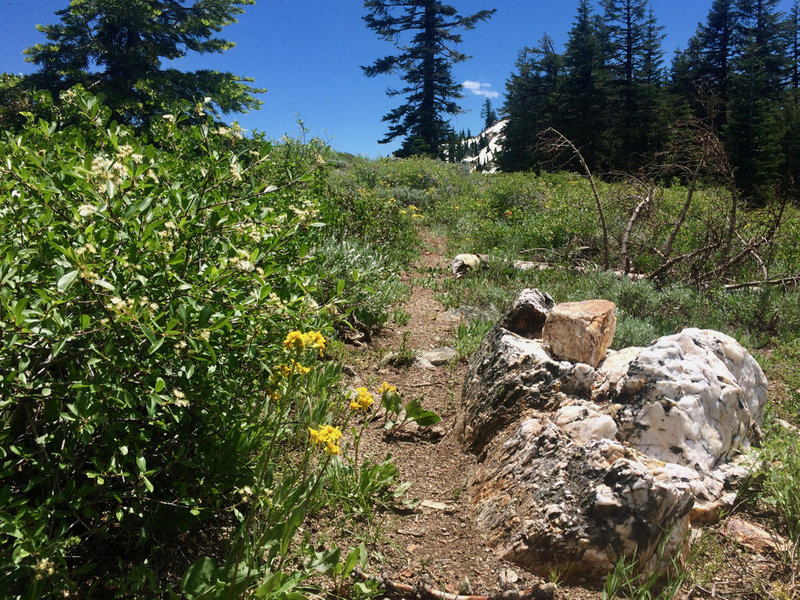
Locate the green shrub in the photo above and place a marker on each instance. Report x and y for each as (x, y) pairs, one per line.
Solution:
(362, 280)
(147, 285)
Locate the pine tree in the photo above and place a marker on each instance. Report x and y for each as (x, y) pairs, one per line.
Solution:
(716, 40)
(116, 47)
(425, 64)
(790, 142)
(531, 104)
(634, 49)
(488, 114)
(759, 61)
(583, 87)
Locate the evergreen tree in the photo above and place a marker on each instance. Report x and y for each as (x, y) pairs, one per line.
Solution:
(488, 114)
(116, 47)
(716, 41)
(583, 88)
(752, 131)
(634, 49)
(790, 143)
(530, 106)
(425, 63)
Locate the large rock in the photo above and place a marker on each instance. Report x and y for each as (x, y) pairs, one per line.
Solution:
(550, 504)
(583, 465)
(508, 375)
(693, 398)
(581, 331)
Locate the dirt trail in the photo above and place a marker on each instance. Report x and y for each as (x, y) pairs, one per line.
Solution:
(437, 542)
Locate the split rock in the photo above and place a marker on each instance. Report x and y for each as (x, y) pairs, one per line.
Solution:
(465, 262)
(528, 314)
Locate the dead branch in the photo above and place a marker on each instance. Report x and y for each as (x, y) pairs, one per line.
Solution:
(781, 280)
(623, 253)
(554, 141)
(670, 263)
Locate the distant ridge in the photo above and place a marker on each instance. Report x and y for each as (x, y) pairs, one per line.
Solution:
(482, 150)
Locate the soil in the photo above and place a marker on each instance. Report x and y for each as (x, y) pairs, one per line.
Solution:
(437, 543)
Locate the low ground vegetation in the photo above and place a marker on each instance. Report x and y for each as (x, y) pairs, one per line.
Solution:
(174, 305)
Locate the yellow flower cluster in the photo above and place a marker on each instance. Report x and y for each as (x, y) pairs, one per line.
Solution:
(297, 340)
(328, 437)
(387, 388)
(285, 370)
(362, 401)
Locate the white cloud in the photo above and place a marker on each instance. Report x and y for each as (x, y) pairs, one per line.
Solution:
(480, 89)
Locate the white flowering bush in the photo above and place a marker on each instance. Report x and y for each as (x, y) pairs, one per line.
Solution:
(148, 282)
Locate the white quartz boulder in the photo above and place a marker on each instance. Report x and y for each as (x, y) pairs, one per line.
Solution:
(583, 464)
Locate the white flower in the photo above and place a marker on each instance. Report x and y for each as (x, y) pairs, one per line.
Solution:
(85, 210)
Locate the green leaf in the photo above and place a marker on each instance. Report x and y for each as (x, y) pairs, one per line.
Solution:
(198, 578)
(419, 415)
(325, 562)
(19, 307)
(160, 385)
(66, 281)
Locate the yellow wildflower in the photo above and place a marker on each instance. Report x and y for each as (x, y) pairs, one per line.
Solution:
(328, 437)
(315, 340)
(362, 401)
(285, 370)
(295, 340)
(387, 387)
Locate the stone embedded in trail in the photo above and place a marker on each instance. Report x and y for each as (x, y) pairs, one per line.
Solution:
(465, 262)
(437, 356)
(584, 465)
(581, 331)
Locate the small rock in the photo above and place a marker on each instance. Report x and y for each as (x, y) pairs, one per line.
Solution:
(434, 505)
(387, 359)
(753, 536)
(438, 356)
(422, 363)
(437, 430)
(413, 548)
(507, 578)
(463, 263)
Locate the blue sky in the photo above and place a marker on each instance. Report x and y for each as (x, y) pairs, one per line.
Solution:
(308, 53)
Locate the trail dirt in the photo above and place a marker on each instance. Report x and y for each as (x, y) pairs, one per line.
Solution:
(436, 543)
